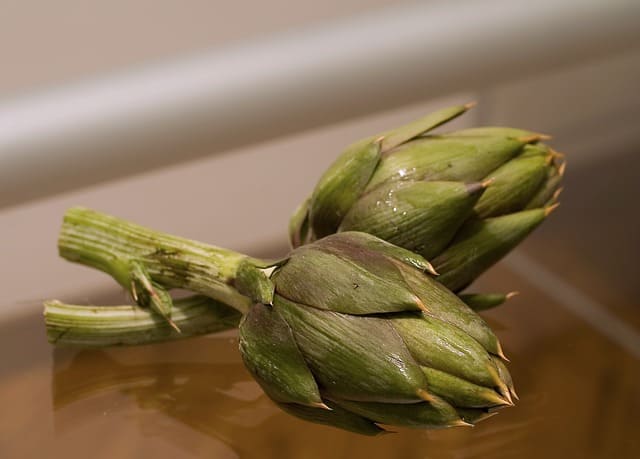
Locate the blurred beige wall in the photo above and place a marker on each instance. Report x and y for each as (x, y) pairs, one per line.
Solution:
(44, 43)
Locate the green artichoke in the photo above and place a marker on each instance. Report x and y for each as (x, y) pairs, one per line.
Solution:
(461, 199)
(359, 335)
(349, 330)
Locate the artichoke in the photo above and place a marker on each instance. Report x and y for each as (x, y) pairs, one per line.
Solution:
(359, 335)
(461, 199)
(349, 330)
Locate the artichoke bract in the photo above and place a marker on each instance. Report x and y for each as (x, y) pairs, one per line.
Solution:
(462, 199)
(359, 335)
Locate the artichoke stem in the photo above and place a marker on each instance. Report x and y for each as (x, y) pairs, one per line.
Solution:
(119, 248)
(101, 326)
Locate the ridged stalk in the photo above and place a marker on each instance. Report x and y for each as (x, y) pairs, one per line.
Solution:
(131, 253)
(102, 326)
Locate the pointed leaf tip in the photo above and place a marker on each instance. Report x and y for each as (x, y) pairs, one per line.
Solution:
(476, 187)
(461, 423)
(134, 292)
(470, 105)
(488, 182)
(421, 126)
(556, 194)
(426, 396)
(548, 210)
(497, 400)
(173, 325)
(512, 294)
(320, 405)
(495, 376)
(499, 383)
(533, 138)
(500, 352)
(562, 168)
(556, 153)
(431, 270)
(421, 305)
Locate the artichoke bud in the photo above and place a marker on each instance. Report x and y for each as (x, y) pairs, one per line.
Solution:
(329, 350)
(271, 355)
(481, 243)
(341, 185)
(426, 192)
(422, 216)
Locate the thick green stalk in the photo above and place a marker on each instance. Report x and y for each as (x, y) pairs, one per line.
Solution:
(101, 326)
(120, 249)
